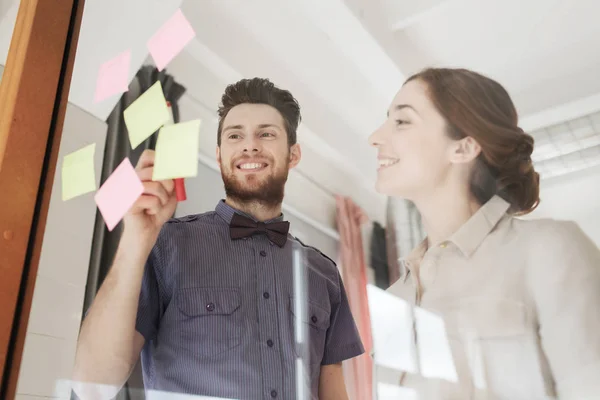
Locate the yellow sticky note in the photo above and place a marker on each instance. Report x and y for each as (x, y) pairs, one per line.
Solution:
(146, 115)
(78, 173)
(177, 151)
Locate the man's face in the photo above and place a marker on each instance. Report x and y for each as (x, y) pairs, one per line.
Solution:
(254, 156)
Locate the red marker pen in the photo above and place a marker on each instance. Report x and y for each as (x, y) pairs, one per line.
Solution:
(180, 189)
(179, 182)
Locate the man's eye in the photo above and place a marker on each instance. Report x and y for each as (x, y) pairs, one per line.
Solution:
(234, 136)
(267, 134)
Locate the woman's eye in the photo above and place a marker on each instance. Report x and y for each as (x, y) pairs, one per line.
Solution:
(400, 122)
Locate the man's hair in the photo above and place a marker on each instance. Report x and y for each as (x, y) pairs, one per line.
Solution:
(261, 91)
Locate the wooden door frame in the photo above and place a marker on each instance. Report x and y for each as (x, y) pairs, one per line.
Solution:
(33, 99)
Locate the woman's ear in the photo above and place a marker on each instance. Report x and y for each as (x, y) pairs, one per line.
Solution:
(465, 150)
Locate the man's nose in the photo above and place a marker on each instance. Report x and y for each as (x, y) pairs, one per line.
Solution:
(252, 145)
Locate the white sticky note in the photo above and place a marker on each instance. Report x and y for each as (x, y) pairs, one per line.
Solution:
(435, 355)
(392, 330)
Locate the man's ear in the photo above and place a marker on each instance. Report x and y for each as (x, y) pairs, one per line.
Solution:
(464, 150)
(218, 155)
(295, 155)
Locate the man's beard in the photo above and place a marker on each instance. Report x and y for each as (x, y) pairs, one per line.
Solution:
(269, 193)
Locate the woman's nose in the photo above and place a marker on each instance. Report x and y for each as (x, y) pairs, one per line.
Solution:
(376, 138)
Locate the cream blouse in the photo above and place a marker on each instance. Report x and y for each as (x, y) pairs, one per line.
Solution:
(520, 304)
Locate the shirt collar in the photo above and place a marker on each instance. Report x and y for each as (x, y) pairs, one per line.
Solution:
(470, 235)
(226, 212)
(414, 258)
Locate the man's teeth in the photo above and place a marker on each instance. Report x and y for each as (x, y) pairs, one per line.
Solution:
(387, 162)
(251, 166)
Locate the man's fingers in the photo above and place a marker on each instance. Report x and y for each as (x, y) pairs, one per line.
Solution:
(168, 209)
(146, 160)
(169, 185)
(145, 175)
(158, 190)
(147, 203)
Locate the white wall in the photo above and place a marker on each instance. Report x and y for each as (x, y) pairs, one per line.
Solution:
(573, 197)
(8, 16)
(60, 286)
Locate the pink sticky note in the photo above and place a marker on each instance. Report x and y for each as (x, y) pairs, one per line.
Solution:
(118, 194)
(170, 39)
(113, 77)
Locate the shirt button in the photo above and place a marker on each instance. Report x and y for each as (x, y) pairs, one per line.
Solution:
(270, 343)
(210, 307)
(314, 319)
(266, 295)
(273, 393)
(263, 253)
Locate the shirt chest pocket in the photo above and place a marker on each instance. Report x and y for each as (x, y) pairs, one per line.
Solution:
(315, 324)
(210, 320)
(496, 340)
(486, 319)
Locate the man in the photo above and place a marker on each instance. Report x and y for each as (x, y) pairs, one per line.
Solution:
(208, 299)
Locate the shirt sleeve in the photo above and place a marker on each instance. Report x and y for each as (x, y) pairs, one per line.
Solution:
(565, 282)
(342, 340)
(149, 307)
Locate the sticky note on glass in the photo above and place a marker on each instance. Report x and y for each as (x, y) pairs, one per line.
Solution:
(146, 115)
(78, 173)
(435, 355)
(170, 39)
(113, 77)
(118, 194)
(177, 151)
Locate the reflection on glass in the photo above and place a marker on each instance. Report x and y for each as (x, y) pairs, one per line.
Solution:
(160, 395)
(435, 357)
(301, 337)
(386, 391)
(392, 323)
(474, 354)
(98, 391)
(392, 328)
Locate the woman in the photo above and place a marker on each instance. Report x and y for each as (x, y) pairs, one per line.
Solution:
(520, 299)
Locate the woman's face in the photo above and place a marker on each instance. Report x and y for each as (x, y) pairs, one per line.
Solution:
(414, 151)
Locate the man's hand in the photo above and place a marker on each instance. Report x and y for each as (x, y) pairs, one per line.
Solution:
(153, 209)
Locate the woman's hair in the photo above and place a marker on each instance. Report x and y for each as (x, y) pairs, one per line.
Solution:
(476, 106)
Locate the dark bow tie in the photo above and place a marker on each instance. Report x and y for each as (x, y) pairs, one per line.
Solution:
(241, 227)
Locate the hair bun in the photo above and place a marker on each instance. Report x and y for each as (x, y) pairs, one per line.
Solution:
(525, 147)
(518, 181)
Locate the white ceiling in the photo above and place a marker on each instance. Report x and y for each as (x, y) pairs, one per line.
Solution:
(345, 59)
